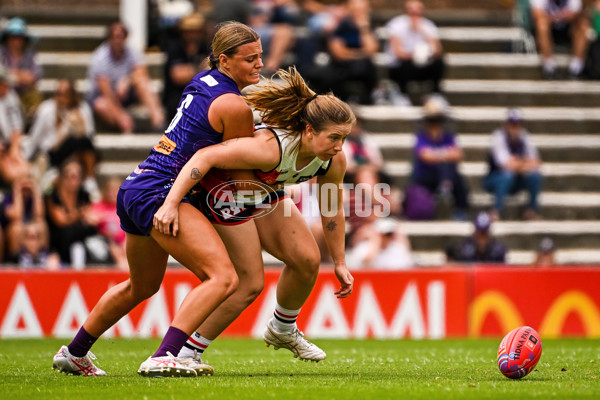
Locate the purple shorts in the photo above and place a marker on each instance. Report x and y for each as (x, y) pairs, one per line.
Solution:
(136, 208)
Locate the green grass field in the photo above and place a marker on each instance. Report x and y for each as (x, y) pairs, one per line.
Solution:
(354, 369)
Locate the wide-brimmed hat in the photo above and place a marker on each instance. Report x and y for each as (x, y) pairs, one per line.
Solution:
(193, 21)
(436, 108)
(16, 27)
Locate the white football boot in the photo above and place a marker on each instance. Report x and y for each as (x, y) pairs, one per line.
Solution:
(63, 361)
(165, 366)
(295, 342)
(195, 362)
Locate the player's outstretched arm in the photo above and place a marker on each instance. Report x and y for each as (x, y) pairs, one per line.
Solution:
(259, 152)
(332, 218)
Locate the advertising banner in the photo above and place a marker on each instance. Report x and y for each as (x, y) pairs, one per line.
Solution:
(556, 302)
(429, 303)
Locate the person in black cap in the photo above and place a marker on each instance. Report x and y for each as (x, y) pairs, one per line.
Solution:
(480, 247)
(514, 165)
(545, 254)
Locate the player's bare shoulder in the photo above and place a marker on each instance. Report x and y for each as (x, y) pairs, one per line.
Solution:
(230, 104)
(231, 110)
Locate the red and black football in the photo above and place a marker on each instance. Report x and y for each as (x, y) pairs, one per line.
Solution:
(519, 352)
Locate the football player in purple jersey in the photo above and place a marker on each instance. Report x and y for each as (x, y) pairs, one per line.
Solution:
(211, 110)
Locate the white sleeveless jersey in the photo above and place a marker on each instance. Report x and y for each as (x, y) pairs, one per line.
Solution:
(285, 172)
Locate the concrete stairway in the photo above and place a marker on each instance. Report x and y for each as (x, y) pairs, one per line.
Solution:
(482, 80)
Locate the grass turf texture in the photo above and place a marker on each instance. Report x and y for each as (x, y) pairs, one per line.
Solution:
(357, 369)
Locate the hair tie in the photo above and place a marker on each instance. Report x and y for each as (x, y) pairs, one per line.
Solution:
(312, 98)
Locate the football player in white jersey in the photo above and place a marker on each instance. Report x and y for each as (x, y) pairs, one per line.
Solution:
(305, 139)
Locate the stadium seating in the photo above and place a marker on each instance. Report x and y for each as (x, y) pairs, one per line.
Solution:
(483, 78)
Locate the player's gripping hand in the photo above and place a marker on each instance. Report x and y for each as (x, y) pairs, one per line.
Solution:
(346, 281)
(166, 219)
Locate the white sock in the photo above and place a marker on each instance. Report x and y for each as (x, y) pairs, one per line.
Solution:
(284, 320)
(195, 342)
(576, 66)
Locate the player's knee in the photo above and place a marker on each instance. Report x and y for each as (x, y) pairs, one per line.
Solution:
(143, 292)
(252, 290)
(309, 266)
(230, 281)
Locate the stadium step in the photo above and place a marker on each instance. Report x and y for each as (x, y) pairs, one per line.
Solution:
(74, 65)
(482, 80)
(396, 146)
(100, 13)
(68, 38)
(557, 176)
(518, 235)
(523, 93)
(513, 66)
(519, 257)
(475, 119)
(471, 39)
(552, 148)
(459, 92)
(116, 147)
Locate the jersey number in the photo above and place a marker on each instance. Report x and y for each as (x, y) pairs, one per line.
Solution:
(184, 105)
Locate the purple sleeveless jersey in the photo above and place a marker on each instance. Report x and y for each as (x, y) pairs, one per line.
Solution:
(144, 191)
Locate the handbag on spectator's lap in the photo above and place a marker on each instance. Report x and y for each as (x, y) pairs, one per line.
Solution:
(419, 203)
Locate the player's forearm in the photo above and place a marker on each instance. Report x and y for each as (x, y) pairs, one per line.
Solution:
(335, 234)
(188, 177)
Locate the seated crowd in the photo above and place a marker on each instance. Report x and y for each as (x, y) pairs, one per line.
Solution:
(55, 213)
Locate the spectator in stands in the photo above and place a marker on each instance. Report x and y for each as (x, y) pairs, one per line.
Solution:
(33, 250)
(436, 158)
(380, 244)
(23, 210)
(371, 197)
(352, 46)
(360, 149)
(480, 247)
(312, 59)
(274, 21)
(545, 253)
(228, 10)
(118, 79)
(63, 127)
(19, 57)
(107, 221)
(12, 162)
(414, 49)
(560, 21)
(185, 58)
(514, 165)
(70, 218)
(592, 63)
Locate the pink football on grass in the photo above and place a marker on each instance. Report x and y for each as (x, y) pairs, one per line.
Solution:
(519, 352)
